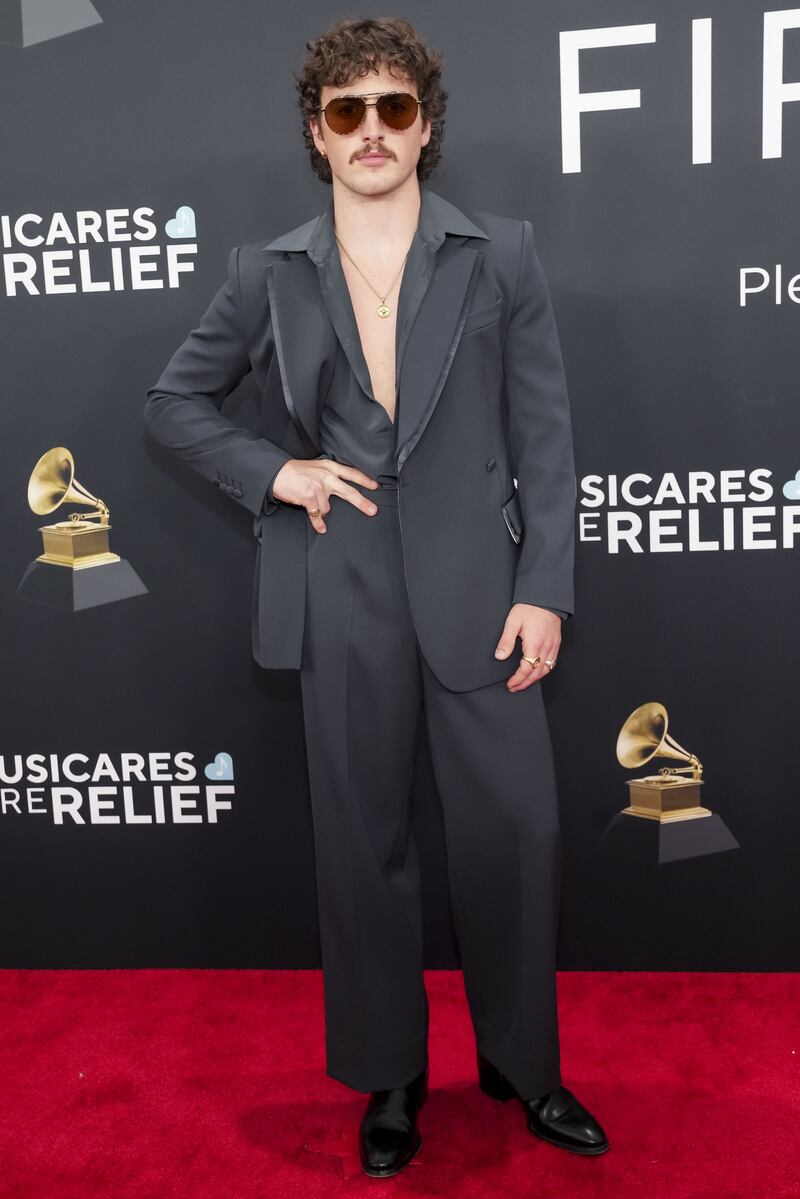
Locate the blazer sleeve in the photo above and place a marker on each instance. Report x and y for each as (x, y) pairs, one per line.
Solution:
(182, 411)
(540, 432)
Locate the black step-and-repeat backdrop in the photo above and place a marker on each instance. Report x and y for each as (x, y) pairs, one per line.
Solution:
(153, 793)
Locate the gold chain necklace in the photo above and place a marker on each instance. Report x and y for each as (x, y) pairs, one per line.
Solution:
(383, 309)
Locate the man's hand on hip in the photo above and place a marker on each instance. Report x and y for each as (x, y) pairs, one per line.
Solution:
(540, 631)
(309, 482)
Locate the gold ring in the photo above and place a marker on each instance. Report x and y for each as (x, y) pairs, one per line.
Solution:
(533, 661)
(313, 512)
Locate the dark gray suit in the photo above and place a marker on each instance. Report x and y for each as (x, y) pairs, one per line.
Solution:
(482, 400)
(395, 616)
(354, 428)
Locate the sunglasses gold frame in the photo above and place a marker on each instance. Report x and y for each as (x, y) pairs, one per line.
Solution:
(374, 104)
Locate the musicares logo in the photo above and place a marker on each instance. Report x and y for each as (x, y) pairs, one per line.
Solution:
(127, 788)
(100, 251)
(702, 512)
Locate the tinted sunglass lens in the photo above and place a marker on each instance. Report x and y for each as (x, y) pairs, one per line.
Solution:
(345, 115)
(398, 111)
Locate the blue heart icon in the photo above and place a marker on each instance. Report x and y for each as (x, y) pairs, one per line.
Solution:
(182, 224)
(792, 489)
(220, 768)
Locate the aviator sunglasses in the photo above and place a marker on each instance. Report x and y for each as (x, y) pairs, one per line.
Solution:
(344, 114)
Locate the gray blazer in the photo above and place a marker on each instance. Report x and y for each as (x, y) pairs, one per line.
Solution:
(482, 402)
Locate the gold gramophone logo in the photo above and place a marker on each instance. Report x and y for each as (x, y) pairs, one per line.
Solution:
(666, 795)
(664, 820)
(76, 568)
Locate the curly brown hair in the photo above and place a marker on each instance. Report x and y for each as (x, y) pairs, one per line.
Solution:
(354, 46)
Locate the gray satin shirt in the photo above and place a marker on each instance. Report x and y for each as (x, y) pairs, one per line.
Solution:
(355, 429)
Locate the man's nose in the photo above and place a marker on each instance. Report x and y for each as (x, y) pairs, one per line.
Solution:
(372, 125)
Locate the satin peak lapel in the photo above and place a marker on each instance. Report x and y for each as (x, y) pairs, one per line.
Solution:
(303, 336)
(433, 341)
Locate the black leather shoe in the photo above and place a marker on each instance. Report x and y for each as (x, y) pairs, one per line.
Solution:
(556, 1117)
(388, 1137)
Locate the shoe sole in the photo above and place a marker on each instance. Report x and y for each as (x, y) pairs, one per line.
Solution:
(392, 1170)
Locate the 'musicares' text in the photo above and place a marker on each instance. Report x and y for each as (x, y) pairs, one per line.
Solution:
(702, 512)
(126, 788)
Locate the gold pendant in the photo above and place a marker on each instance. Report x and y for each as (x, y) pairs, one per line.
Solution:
(383, 310)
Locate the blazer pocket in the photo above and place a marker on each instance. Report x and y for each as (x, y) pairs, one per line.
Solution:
(486, 315)
(512, 515)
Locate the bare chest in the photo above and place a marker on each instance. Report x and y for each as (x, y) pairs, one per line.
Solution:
(377, 336)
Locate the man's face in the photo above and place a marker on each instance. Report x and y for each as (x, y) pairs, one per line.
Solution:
(399, 149)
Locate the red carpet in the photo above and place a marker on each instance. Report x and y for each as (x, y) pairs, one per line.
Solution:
(203, 1084)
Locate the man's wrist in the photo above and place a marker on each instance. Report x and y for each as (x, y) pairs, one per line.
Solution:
(546, 607)
(271, 502)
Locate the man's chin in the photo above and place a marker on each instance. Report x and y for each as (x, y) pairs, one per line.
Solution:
(386, 179)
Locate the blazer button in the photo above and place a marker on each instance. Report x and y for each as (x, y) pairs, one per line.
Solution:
(237, 492)
(491, 464)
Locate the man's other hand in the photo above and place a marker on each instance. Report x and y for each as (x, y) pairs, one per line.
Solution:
(540, 631)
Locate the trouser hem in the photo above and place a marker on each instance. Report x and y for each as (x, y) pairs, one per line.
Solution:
(530, 1074)
(403, 1070)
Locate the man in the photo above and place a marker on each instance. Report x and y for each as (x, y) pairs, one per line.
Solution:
(411, 372)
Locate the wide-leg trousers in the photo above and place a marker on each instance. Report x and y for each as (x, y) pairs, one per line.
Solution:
(365, 688)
